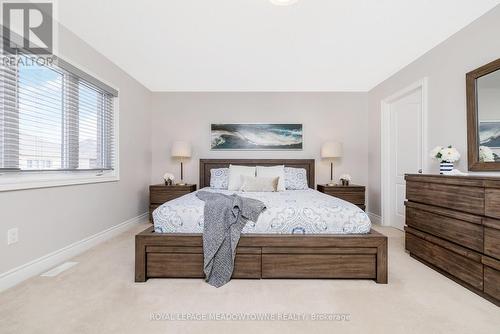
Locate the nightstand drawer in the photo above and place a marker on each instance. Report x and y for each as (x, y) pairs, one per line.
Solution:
(160, 196)
(357, 197)
(152, 208)
(352, 193)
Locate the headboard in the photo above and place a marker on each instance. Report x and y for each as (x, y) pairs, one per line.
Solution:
(207, 164)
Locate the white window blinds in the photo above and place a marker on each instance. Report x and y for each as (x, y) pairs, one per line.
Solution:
(54, 118)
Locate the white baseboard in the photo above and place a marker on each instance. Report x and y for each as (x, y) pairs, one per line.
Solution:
(376, 219)
(38, 266)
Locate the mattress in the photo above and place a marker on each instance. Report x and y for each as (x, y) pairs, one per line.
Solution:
(287, 212)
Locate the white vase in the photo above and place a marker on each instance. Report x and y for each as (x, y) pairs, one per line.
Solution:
(445, 167)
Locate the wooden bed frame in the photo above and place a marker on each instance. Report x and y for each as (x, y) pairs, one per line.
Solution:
(357, 256)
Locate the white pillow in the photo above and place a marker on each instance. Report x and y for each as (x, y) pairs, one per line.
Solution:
(235, 174)
(273, 171)
(296, 178)
(219, 178)
(259, 184)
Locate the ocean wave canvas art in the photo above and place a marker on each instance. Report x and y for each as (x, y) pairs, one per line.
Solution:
(256, 137)
(489, 136)
(489, 133)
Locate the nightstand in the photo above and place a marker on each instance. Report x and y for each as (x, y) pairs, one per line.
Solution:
(351, 193)
(160, 193)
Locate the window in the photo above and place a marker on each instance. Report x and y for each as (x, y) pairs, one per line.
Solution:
(40, 114)
(54, 119)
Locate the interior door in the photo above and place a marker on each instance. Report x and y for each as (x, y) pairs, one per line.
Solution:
(406, 149)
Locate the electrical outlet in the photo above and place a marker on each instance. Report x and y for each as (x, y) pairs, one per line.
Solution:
(12, 236)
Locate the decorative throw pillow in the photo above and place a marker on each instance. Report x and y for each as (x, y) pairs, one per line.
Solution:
(219, 178)
(273, 171)
(259, 184)
(296, 178)
(235, 173)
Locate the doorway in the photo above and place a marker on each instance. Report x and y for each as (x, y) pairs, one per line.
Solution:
(404, 147)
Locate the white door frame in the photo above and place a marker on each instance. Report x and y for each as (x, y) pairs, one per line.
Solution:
(386, 141)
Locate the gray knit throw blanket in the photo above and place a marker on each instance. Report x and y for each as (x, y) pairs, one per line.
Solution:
(224, 219)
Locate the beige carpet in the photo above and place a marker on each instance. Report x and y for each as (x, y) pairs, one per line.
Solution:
(99, 296)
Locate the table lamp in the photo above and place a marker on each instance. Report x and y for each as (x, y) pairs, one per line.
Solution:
(181, 150)
(331, 150)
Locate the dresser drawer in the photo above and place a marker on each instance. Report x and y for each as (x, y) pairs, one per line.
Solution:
(492, 238)
(492, 282)
(318, 266)
(492, 277)
(160, 196)
(465, 269)
(462, 232)
(465, 199)
(492, 204)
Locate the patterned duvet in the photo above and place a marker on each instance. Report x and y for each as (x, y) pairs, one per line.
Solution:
(288, 212)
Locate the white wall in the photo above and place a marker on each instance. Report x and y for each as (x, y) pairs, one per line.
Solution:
(51, 218)
(445, 66)
(326, 116)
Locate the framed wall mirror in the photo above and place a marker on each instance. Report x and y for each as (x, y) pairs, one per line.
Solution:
(483, 117)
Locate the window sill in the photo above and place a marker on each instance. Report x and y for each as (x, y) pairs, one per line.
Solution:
(22, 182)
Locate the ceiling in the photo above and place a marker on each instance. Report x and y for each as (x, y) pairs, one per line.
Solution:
(253, 45)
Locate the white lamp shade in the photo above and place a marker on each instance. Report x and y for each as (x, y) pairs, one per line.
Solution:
(331, 150)
(180, 149)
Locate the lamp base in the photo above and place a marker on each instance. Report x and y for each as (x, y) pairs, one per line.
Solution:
(181, 184)
(331, 184)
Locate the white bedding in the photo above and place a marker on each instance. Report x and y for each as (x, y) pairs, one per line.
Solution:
(287, 212)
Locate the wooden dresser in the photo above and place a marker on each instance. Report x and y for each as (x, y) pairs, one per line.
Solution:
(160, 193)
(453, 226)
(351, 193)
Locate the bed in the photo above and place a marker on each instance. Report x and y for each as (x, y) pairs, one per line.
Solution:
(302, 234)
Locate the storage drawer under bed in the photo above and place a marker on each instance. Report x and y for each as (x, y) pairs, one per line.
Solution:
(267, 262)
(318, 266)
(282, 262)
(188, 262)
(266, 256)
